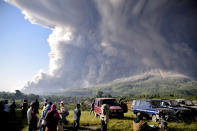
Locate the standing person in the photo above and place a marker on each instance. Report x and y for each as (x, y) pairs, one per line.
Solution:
(104, 117)
(52, 118)
(92, 107)
(36, 105)
(63, 112)
(24, 108)
(43, 115)
(6, 112)
(77, 114)
(12, 111)
(2, 121)
(45, 104)
(31, 117)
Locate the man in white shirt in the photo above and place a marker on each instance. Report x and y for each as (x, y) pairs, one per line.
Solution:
(31, 117)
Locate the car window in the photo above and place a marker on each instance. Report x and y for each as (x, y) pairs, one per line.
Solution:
(165, 103)
(137, 103)
(134, 102)
(110, 102)
(146, 103)
(99, 103)
(174, 103)
(96, 102)
(156, 103)
(143, 103)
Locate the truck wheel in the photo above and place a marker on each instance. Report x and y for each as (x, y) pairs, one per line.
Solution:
(122, 115)
(154, 118)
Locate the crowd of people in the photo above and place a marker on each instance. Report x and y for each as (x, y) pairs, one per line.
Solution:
(51, 119)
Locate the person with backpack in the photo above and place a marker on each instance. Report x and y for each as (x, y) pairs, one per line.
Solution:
(52, 118)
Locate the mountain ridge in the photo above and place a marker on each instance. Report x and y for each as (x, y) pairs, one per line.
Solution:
(153, 82)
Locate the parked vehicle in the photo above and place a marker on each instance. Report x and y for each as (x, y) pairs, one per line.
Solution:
(152, 109)
(188, 104)
(116, 109)
(182, 113)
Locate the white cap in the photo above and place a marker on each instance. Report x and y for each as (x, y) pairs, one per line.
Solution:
(62, 102)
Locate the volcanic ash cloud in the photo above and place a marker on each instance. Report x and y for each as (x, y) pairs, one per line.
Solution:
(97, 41)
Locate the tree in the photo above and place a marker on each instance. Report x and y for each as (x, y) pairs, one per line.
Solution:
(99, 94)
(18, 94)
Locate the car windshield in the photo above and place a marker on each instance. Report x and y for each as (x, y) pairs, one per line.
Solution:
(156, 103)
(110, 102)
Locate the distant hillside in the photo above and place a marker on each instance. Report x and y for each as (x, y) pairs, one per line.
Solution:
(148, 83)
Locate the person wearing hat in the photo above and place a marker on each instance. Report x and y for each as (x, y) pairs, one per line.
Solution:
(139, 123)
(31, 117)
(63, 112)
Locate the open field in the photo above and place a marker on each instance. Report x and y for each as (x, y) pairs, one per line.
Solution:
(90, 122)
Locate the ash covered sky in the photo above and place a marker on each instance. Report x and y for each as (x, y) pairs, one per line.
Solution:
(97, 41)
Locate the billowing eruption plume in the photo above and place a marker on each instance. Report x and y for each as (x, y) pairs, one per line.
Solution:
(96, 41)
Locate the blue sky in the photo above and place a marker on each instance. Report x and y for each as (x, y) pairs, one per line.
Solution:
(23, 48)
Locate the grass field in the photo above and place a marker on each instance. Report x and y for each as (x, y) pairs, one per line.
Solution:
(90, 122)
